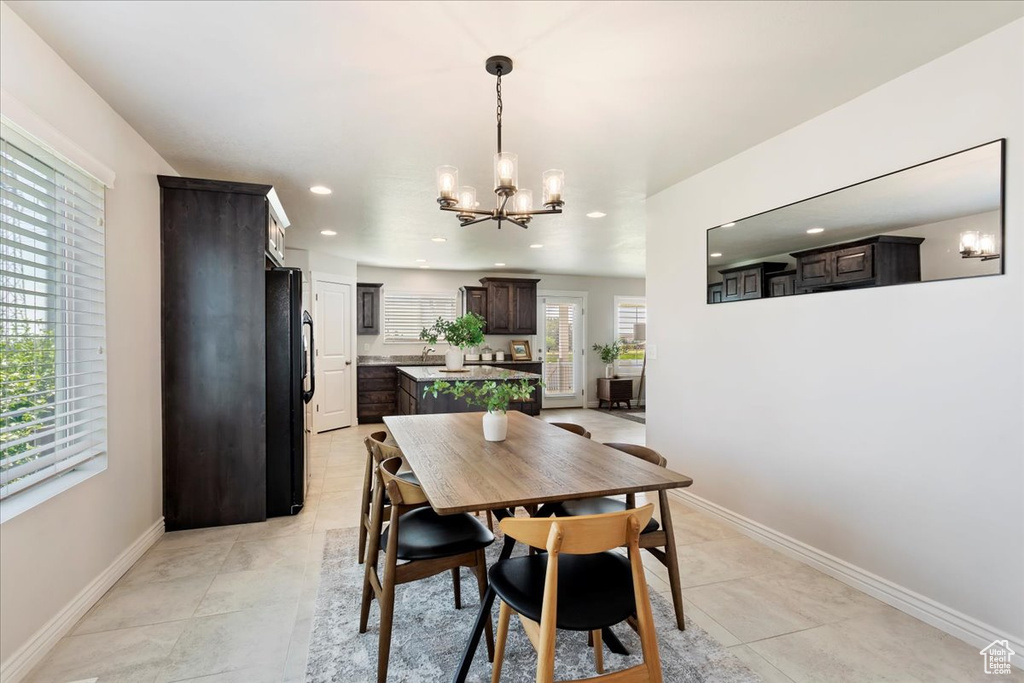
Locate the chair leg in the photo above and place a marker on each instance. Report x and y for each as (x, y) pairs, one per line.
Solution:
(372, 553)
(480, 569)
(490, 521)
(387, 611)
(457, 587)
(671, 559)
(598, 651)
(499, 647)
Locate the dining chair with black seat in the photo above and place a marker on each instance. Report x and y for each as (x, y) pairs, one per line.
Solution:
(427, 544)
(657, 539)
(580, 584)
(371, 479)
(574, 428)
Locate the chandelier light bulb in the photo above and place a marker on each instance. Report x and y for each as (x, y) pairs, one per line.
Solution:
(987, 244)
(554, 182)
(523, 201)
(467, 197)
(447, 182)
(506, 176)
(969, 240)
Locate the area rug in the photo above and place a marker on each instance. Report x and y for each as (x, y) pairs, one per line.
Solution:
(633, 414)
(429, 634)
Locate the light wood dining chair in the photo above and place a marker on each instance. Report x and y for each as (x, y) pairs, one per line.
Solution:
(658, 540)
(581, 584)
(574, 428)
(371, 479)
(427, 544)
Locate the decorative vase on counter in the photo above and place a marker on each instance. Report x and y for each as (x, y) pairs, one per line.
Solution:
(453, 358)
(495, 425)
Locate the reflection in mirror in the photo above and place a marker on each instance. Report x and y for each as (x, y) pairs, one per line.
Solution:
(936, 221)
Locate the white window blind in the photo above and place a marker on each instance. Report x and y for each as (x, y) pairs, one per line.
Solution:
(406, 314)
(52, 331)
(631, 328)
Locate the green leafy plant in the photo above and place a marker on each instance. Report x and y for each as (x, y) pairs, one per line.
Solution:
(28, 374)
(610, 352)
(493, 395)
(463, 332)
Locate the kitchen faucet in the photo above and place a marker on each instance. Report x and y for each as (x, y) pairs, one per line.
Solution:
(427, 350)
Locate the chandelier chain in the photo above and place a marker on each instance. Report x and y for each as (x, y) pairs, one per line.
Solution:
(498, 90)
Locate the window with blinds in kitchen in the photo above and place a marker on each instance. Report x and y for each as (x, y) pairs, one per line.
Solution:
(631, 328)
(406, 314)
(53, 385)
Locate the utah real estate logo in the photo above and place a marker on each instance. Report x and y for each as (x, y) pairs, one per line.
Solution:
(997, 657)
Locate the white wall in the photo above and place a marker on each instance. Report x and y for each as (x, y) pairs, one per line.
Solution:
(601, 293)
(884, 426)
(55, 550)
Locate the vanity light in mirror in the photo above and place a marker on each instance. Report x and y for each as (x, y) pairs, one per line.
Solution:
(974, 244)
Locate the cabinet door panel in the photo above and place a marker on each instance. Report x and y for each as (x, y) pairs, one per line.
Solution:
(731, 287)
(367, 310)
(813, 270)
(715, 293)
(750, 284)
(524, 301)
(499, 308)
(853, 264)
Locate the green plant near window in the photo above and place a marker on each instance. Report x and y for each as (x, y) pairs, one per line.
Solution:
(494, 396)
(463, 332)
(29, 382)
(610, 352)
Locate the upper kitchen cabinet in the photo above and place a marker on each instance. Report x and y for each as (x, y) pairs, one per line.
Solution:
(511, 305)
(277, 221)
(474, 300)
(368, 307)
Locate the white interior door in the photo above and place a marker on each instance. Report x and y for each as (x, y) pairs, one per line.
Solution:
(333, 321)
(562, 336)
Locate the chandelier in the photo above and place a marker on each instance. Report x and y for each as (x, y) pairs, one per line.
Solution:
(513, 204)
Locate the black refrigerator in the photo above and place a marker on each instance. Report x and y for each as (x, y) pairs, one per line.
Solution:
(290, 385)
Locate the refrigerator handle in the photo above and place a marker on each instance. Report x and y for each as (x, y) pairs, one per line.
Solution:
(307, 396)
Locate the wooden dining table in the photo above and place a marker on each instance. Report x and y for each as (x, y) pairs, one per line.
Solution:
(537, 463)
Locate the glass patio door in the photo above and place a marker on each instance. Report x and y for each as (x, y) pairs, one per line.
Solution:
(564, 350)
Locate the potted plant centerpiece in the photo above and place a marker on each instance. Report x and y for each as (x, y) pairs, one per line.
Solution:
(492, 395)
(461, 333)
(609, 354)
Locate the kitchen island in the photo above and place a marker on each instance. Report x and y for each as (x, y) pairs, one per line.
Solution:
(412, 380)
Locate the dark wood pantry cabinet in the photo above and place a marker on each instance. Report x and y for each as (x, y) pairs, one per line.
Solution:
(213, 239)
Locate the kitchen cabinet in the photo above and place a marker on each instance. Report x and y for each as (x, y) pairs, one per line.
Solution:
(511, 305)
(781, 284)
(474, 300)
(213, 350)
(376, 392)
(871, 262)
(749, 281)
(368, 307)
(275, 237)
(715, 293)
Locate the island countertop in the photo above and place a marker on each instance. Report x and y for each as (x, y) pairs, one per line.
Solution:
(473, 373)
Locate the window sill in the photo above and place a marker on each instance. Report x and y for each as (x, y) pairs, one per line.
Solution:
(28, 499)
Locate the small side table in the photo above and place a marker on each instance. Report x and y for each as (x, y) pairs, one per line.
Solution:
(615, 391)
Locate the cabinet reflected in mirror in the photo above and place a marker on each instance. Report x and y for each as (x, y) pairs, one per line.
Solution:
(939, 220)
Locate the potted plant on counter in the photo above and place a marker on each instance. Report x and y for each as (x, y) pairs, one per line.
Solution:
(609, 354)
(493, 395)
(461, 333)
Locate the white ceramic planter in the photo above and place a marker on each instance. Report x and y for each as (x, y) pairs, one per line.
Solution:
(453, 358)
(495, 426)
(609, 370)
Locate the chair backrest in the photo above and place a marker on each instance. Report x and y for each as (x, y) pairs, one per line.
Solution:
(643, 452)
(583, 535)
(574, 428)
(386, 451)
(402, 492)
(376, 437)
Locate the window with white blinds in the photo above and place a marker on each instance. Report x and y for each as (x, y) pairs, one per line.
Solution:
(631, 328)
(53, 405)
(406, 314)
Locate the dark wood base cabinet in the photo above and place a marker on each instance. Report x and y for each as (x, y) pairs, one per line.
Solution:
(411, 400)
(376, 392)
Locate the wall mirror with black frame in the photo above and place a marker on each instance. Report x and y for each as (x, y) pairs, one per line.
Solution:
(939, 220)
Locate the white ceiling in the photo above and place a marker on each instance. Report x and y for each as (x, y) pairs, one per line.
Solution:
(963, 184)
(368, 98)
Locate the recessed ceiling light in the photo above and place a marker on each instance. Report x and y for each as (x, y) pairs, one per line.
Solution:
(536, 246)
(499, 264)
(596, 214)
(715, 255)
(320, 189)
(815, 231)
(329, 233)
(424, 266)
(421, 260)
(728, 225)
(438, 239)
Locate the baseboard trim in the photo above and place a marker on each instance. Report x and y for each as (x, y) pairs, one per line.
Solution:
(19, 664)
(942, 617)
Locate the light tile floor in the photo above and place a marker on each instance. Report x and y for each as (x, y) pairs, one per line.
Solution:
(235, 604)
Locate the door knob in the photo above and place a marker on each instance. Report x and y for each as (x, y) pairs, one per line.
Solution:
(348, 362)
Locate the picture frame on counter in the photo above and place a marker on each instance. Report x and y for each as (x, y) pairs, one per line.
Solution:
(520, 349)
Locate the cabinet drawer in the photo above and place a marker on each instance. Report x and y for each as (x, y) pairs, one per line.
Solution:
(375, 384)
(853, 264)
(376, 371)
(375, 397)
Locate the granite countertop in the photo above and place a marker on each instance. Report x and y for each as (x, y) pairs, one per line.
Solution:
(431, 360)
(422, 373)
